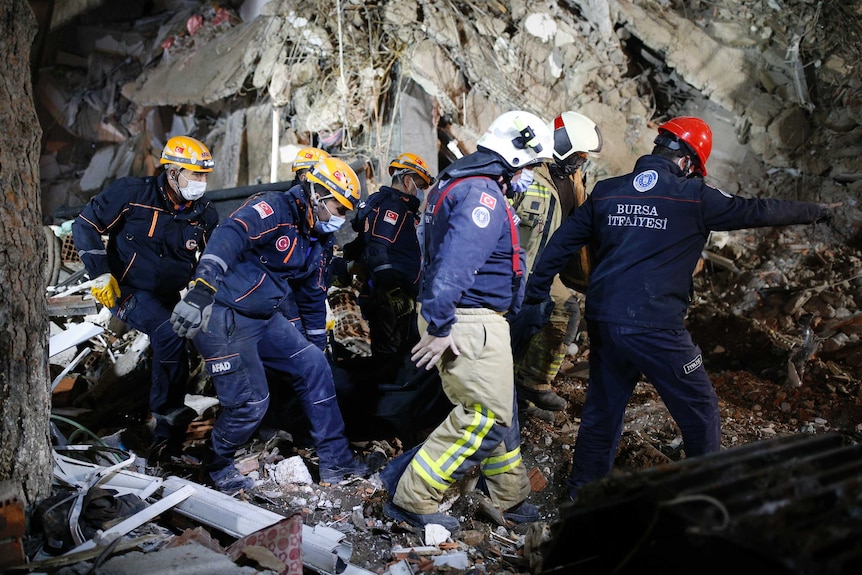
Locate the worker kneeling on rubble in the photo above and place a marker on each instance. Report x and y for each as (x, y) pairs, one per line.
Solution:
(156, 227)
(276, 245)
(472, 274)
(648, 229)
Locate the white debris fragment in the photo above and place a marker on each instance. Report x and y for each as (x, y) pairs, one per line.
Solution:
(292, 470)
(541, 25)
(436, 534)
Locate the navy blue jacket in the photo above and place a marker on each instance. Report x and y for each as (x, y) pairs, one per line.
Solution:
(648, 229)
(387, 224)
(152, 246)
(264, 251)
(469, 244)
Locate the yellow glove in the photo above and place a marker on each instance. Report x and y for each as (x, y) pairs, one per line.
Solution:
(106, 290)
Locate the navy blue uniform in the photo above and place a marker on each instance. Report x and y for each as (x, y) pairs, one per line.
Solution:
(152, 252)
(648, 230)
(469, 260)
(390, 255)
(262, 259)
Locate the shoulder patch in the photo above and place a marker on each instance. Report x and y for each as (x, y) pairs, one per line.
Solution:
(645, 181)
(263, 209)
(481, 216)
(282, 244)
(390, 217)
(487, 199)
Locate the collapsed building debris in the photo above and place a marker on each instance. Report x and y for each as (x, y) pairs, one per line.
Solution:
(368, 81)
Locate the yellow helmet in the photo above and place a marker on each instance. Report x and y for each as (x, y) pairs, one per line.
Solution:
(307, 157)
(414, 163)
(338, 178)
(188, 153)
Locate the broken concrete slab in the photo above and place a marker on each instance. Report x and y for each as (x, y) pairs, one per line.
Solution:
(190, 559)
(723, 73)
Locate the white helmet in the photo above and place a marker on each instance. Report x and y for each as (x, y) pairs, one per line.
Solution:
(574, 133)
(520, 138)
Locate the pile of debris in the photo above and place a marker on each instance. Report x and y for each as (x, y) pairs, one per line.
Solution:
(776, 313)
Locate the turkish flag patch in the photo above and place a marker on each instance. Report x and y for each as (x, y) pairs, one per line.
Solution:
(488, 200)
(390, 217)
(263, 209)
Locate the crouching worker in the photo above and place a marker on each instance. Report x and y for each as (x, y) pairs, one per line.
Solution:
(472, 274)
(156, 228)
(274, 244)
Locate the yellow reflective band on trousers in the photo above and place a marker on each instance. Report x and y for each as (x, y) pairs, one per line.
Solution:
(502, 463)
(438, 473)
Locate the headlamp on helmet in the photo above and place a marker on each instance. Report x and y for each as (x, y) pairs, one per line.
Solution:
(520, 138)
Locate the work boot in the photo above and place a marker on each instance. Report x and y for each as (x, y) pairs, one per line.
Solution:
(420, 519)
(230, 480)
(545, 398)
(531, 409)
(523, 512)
(357, 466)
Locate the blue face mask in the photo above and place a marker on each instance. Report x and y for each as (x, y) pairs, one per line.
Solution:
(330, 226)
(523, 182)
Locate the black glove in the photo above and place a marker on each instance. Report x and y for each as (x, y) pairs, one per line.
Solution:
(532, 317)
(385, 280)
(352, 251)
(826, 215)
(192, 313)
(341, 275)
(399, 302)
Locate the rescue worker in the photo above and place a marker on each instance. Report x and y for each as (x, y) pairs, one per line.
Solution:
(275, 244)
(648, 229)
(388, 251)
(472, 274)
(554, 193)
(156, 227)
(306, 159)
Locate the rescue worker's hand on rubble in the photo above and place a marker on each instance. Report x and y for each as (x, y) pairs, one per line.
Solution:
(192, 313)
(106, 290)
(431, 348)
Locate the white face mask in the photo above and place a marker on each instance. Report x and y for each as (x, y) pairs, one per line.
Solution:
(194, 190)
(523, 182)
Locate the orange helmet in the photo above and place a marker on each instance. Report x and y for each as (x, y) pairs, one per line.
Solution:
(187, 153)
(414, 163)
(307, 157)
(338, 178)
(694, 132)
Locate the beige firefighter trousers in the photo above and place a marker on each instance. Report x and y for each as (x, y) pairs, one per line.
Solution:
(480, 428)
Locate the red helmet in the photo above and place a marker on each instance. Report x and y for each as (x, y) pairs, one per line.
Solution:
(695, 133)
